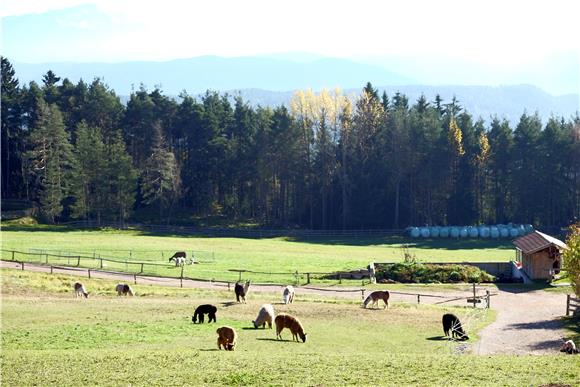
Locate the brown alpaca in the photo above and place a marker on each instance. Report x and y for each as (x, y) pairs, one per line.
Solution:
(376, 296)
(284, 320)
(226, 338)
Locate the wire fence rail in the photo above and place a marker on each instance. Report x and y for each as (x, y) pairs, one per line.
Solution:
(240, 232)
(168, 270)
(475, 299)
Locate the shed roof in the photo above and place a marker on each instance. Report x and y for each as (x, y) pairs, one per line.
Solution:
(537, 241)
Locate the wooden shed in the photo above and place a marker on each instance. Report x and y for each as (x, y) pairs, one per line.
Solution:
(540, 255)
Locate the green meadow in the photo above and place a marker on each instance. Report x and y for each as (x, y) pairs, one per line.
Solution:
(218, 255)
(51, 338)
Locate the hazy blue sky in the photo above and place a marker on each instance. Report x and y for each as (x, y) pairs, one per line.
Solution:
(495, 39)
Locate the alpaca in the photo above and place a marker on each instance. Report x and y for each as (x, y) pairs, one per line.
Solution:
(452, 327)
(284, 320)
(241, 291)
(210, 310)
(569, 347)
(123, 290)
(376, 296)
(288, 295)
(179, 254)
(226, 338)
(80, 290)
(265, 315)
(178, 261)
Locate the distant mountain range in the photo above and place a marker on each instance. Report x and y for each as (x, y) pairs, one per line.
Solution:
(270, 81)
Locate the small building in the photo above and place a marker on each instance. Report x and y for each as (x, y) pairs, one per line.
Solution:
(539, 255)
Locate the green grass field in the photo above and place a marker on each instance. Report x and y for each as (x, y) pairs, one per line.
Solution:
(50, 338)
(218, 255)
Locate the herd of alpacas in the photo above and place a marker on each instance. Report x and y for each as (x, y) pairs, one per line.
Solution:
(227, 336)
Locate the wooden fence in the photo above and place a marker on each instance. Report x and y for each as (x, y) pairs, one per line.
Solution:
(143, 268)
(572, 305)
(474, 299)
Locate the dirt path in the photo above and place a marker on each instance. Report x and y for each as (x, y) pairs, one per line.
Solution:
(527, 321)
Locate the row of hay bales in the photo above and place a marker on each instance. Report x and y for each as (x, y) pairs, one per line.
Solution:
(484, 231)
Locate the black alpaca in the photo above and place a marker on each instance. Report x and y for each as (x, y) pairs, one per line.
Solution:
(241, 291)
(210, 310)
(452, 327)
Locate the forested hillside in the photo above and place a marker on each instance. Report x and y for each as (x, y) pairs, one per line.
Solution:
(325, 162)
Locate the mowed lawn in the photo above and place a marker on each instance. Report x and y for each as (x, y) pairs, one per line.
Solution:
(50, 338)
(271, 255)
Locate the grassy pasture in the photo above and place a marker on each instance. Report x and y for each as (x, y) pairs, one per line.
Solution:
(271, 255)
(50, 338)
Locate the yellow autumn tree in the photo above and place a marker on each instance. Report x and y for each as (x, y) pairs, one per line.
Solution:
(571, 257)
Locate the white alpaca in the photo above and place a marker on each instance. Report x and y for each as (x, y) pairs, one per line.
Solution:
(80, 290)
(288, 294)
(265, 316)
(178, 261)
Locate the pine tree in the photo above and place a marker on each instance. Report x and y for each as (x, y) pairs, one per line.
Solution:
(161, 181)
(90, 180)
(50, 160)
(121, 177)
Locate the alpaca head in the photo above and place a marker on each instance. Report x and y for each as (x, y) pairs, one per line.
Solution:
(255, 325)
(302, 337)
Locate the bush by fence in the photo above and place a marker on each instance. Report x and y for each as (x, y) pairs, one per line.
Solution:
(426, 273)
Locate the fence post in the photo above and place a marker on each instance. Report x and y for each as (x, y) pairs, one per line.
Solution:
(22, 264)
(13, 255)
(135, 279)
(228, 285)
(181, 279)
(50, 269)
(418, 299)
(89, 271)
(78, 261)
(240, 273)
(567, 305)
(307, 278)
(488, 298)
(339, 278)
(141, 268)
(296, 279)
(362, 294)
(474, 300)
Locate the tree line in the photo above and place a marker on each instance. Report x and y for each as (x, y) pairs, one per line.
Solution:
(326, 161)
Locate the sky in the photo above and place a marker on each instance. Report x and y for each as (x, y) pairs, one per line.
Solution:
(493, 36)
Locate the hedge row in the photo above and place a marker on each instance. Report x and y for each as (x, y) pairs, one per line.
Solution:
(427, 273)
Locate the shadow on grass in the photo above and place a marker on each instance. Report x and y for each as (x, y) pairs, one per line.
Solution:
(438, 338)
(572, 326)
(255, 329)
(208, 350)
(280, 341)
(522, 288)
(227, 304)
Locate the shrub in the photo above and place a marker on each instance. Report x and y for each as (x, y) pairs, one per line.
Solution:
(426, 273)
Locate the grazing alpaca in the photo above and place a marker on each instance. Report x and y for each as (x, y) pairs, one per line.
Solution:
(452, 327)
(178, 261)
(284, 320)
(123, 290)
(376, 296)
(288, 294)
(569, 347)
(265, 315)
(226, 338)
(210, 310)
(241, 291)
(80, 290)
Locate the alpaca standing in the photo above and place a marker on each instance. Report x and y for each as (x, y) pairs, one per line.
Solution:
(376, 296)
(241, 291)
(265, 316)
(569, 347)
(210, 310)
(452, 327)
(226, 338)
(123, 290)
(288, 294)
(284, 320)
(80, 290)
